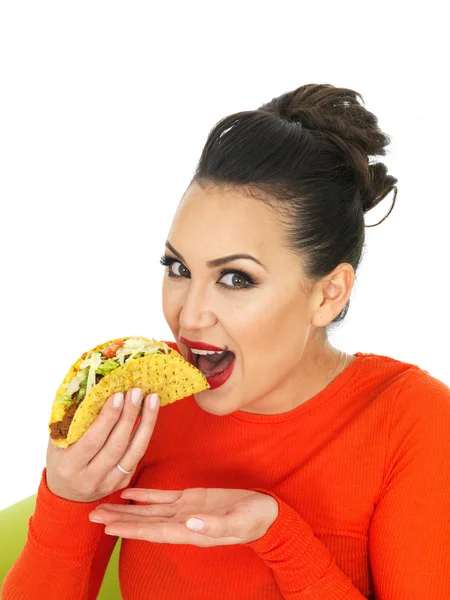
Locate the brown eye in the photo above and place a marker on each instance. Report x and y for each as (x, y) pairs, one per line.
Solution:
(234, 280)
(238, 281)
(179, 270)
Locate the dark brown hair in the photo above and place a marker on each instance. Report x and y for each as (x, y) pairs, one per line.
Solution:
(306, 154)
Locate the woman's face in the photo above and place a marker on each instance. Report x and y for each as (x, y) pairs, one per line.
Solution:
(255, 306)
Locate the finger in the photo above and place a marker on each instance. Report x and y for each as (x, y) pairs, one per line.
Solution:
(138, 444)
(115, 445)
(106, 516)
(152, 496)
(135, 510)
(96, 435)
(52, 448)
(166, 532)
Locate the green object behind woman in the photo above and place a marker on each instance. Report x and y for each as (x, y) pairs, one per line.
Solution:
(13, 533)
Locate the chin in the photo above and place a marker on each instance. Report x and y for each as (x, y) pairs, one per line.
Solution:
(209, 404)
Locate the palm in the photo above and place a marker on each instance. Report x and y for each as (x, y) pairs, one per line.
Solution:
(213, 501)
(232, 516)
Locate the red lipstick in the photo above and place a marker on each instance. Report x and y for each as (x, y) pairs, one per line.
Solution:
(200, 345)
(216, 381)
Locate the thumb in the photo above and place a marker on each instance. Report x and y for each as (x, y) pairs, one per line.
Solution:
(216, 526)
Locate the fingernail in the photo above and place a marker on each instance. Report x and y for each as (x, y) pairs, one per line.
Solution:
(136, 395)
(154, 401)
(195, 524)
(118, 399)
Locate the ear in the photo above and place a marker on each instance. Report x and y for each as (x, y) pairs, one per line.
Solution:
(332, 293)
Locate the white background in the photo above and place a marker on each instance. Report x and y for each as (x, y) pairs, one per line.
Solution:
(105, 107)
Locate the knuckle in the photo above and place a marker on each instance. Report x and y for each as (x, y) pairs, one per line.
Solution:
(128, 417)
(119, 448)
(61, 472)
(151, 419)
(109, 413)
(136, 453)
(90, 443)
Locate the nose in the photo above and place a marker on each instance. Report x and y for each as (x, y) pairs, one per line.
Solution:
(196, 312)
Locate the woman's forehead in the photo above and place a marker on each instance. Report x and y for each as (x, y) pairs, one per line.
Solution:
(218, 215)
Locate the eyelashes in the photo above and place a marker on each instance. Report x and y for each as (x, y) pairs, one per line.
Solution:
(168, 261)
(249, 281)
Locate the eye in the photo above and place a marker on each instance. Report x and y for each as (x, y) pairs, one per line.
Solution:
(175, 268)
(229, 279)
(236, 280)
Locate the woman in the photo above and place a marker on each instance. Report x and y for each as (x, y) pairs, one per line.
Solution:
(314, 473)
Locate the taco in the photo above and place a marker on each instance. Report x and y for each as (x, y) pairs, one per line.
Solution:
(117, 366)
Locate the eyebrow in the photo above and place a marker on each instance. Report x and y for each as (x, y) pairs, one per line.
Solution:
(218, 262)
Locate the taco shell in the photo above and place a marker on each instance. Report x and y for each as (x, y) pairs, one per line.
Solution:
(165, 373)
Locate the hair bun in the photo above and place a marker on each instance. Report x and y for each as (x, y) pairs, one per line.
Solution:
(379, 186)
(336, 115)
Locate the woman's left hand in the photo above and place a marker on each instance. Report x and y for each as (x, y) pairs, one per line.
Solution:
(229, 516)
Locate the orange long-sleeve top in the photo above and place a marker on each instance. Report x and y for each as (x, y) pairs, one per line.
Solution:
(361, 473)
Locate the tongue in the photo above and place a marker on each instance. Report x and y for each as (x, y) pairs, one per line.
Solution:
(211, 366)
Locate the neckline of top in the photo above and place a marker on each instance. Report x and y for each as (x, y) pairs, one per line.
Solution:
(333, 388)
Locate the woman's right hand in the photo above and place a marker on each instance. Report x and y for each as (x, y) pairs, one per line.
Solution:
(87, 470)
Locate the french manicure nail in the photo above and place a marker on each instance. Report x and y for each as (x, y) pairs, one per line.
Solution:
(136, 395)
(195, 524)
(94, 520)
(154, 401)
(118, 399)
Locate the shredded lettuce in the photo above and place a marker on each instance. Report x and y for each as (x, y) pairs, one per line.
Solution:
(64, 399)
(74, 385)
(95, 363)
(81, 394)
(138, 346)
(109, 365)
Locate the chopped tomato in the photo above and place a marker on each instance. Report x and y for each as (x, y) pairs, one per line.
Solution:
(111, 351)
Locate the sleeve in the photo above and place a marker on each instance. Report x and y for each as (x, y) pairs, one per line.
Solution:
(302, 565)
(409, 533)
(409, 536)
(65, 555)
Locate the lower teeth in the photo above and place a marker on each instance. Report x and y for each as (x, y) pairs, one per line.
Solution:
(219, 366)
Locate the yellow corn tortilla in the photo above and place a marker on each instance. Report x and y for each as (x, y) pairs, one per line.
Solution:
(168, 375)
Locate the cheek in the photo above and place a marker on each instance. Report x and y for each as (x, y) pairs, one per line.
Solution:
(241, 320)
(169, 302)
(280, 322)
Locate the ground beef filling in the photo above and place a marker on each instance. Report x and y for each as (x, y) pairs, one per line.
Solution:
(60, 429)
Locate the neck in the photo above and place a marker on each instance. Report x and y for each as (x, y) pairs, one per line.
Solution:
(309, 376)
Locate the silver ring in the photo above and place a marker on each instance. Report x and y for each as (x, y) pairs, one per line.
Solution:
(122, 470)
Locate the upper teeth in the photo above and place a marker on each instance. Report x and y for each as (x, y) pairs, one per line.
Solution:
(194, 351)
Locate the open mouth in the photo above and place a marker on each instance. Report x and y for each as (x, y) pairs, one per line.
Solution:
(216, 364)
(210, 362)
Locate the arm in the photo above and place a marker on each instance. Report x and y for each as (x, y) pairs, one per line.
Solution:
(409, 534)
(302, 565)
(65, 555)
